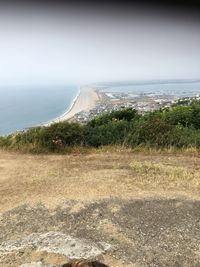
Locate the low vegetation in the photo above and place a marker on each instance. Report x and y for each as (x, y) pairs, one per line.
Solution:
(98, 174)
(159, 174)
(177, 127)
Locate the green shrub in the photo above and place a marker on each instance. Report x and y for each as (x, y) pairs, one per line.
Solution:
(113, 132)
(110, 128)
(177, 127)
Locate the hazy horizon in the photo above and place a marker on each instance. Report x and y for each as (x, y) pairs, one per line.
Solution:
(79, 45)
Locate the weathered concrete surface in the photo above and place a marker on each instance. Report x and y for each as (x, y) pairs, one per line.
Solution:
(141, 233)
(58, 243)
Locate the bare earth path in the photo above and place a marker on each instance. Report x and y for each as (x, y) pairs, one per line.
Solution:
(124, 208)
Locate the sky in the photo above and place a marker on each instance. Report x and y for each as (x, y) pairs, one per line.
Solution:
(63, 44)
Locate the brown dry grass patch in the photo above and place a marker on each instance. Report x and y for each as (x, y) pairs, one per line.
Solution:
(94, 175)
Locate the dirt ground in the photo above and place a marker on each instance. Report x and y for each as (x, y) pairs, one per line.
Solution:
(145, 206)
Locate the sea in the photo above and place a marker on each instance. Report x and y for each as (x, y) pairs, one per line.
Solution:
(22, 107)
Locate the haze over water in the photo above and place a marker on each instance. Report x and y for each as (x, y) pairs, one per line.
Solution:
(75, 44)
(43, 46)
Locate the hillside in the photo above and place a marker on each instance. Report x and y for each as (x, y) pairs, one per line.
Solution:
(176, 127)
(123, 207)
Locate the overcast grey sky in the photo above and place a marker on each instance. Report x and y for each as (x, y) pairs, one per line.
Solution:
(47, 46)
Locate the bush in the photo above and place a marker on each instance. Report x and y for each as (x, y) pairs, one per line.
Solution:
(60, 135)
(178, 127)
(150, 130)
(52, 138)
(113, 132)
(110, 128)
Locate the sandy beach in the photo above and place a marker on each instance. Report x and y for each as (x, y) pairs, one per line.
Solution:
(85, 101)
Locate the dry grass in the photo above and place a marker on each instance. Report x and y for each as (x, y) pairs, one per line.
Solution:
(159, 175)
(96, 174)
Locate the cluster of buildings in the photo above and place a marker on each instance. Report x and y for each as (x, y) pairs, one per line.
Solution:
(120, 100)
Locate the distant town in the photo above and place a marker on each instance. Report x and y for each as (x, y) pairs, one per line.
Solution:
(144, 102)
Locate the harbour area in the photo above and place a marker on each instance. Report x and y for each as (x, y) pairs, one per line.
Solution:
(109, 101)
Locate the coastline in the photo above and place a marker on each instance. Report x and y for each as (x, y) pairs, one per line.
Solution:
(84, 101)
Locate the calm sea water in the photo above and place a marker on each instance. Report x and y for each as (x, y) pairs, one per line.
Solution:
(26, 107)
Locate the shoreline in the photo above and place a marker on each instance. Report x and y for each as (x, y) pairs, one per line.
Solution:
(85, 100)
(71, 106)
(65, 113)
